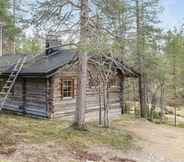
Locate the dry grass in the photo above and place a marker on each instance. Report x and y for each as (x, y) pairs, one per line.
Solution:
(180, 111)
(7, 142)
(17, 129)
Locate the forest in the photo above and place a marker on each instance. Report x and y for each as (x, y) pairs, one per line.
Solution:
(128, 30)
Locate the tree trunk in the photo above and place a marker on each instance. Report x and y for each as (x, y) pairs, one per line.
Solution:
(134, 99)
(174, 72)
(174, 88)
(14, 21)
(1, 39)
(142, 98)
(122, 103)
(162, 103)
(83, 59)
(140, 46)
(153, 107)
(100, 103)
(106, 107)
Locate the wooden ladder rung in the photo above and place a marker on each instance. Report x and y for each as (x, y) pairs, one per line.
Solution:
(2, 93)
(12, 75)
(14, 71)
(11, 80)
(6, 87)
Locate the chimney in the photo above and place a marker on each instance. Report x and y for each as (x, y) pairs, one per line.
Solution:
(53, 43)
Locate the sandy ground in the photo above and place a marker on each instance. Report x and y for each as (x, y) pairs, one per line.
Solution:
(158, 144)
(159, 141)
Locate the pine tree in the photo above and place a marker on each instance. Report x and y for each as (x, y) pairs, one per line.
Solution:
(83, 61)
(51, 15)
(146, 18)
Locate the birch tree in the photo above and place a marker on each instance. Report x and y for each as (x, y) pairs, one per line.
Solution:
(103, 75)
(174, 51)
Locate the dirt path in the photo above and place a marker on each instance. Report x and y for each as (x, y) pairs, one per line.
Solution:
(158, 143)
(165, 142)
(160, 140)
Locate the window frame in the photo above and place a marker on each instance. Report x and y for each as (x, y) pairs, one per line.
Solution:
(68, 91)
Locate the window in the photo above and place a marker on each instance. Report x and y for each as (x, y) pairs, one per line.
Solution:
(67, 88)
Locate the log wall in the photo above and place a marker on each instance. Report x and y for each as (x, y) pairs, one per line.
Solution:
(65, 107)
(43, 97)
(28, 96)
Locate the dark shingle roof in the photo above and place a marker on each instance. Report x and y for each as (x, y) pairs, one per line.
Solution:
(40, 64)
(46, 64)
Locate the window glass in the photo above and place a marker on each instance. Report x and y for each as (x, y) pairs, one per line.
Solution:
(67, 88)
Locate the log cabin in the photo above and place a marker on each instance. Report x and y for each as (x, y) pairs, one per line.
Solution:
(47, 85)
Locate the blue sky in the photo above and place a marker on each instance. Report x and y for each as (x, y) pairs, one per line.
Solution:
(173, 14)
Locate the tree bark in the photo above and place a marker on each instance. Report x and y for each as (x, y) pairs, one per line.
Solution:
(162, 103)
(140, 46)
(14, 21)
(1, 39)
(100, 103)
(122, 96)
(106, 106)
(134, 99)
(83, 59)
(153, 106)
(174, 88)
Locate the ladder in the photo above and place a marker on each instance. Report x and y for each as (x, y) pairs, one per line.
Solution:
(11, 81)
